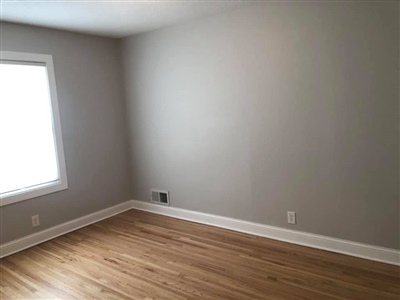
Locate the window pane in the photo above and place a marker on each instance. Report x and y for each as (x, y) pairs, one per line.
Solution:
(27, 147)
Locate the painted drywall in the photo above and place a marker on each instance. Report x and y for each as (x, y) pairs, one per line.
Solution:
(88, 77)
(275, 107)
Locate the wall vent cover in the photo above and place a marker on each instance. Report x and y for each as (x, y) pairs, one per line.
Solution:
(159, 197)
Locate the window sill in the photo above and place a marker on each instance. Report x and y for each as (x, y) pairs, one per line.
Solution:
(32, 192)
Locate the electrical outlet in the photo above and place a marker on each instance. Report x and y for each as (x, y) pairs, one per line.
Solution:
(35, 221)
(291, 217)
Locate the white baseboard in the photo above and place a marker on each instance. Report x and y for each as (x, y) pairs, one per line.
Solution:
(386, 255)
(48, 234)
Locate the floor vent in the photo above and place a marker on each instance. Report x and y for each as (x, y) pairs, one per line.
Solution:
(159, 197)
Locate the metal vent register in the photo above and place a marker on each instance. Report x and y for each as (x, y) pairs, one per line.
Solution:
(159, 197)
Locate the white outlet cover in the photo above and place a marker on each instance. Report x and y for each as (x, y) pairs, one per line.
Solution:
(291, 217)
(35, 221)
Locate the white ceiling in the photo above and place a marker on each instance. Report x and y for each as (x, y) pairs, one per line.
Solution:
(112, 18)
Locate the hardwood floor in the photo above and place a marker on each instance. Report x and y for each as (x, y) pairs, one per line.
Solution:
(139, 255)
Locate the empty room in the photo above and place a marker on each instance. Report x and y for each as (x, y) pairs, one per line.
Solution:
(186, 149)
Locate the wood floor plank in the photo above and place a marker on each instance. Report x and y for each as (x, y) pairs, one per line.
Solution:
(139, 255)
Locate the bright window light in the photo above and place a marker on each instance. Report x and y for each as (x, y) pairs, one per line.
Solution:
(29, 152)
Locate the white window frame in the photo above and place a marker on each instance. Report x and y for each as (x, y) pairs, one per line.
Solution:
(61, 183)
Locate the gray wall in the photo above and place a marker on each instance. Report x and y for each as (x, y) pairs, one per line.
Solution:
(274, 107)
(88, 75)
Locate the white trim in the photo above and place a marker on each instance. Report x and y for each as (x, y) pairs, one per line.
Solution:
(386, 255)
(61, 183)
(48, 234)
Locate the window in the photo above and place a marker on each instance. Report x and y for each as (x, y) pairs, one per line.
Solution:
(31, 150)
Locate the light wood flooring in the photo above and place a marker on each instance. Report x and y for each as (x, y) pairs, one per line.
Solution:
(139, 255)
